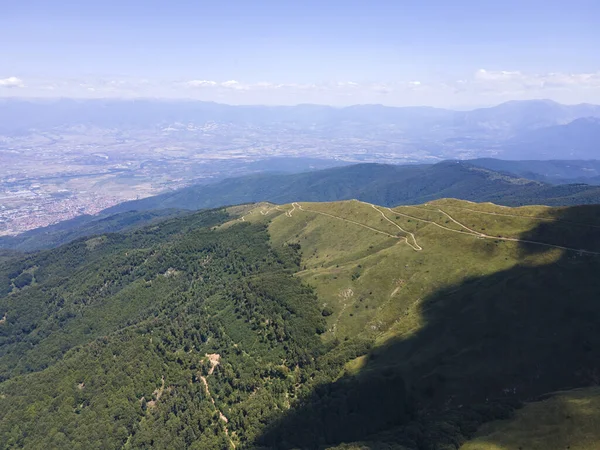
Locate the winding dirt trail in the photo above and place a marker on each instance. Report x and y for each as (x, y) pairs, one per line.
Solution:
(426, 221)
(544, 219)
(214, 360)
(487, 236)
(385, 233)
(579, 250)
(289, 213)
(461, 224)
(414, 245)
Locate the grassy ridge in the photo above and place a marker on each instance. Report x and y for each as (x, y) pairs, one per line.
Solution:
(466, 319)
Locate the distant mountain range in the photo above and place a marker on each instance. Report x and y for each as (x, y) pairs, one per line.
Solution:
(518, 116)
(579, 139)
(515, 130)
(500, 182)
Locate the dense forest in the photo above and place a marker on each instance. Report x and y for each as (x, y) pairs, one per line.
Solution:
(95, 331)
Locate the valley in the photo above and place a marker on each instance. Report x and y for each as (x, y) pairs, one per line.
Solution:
(66, 158)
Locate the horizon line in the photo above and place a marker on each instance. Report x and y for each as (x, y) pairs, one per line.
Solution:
(323, 105)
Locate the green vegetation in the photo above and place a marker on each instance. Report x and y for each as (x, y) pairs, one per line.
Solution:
(306, 325)
(86, 348)
(381, 184)
(552, 171)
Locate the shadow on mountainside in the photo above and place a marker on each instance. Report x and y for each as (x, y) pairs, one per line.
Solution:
(485, 346)
(565, 420)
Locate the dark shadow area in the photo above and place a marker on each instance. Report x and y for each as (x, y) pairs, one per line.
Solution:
(486, 346)
(556, 418)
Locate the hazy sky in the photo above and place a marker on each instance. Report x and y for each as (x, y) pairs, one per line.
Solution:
(457, 53)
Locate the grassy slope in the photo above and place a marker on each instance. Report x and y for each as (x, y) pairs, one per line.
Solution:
(381, 289)
(392, 276)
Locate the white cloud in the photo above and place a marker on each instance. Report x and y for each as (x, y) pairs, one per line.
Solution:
(300, 86)
(380, 88)
(12, 82)
(520, 80)
(347, 84)
(201, 83)
(263, 85)
(502, 75)
(481, 87)
(572, 80)
(266, 85)
(232, 84)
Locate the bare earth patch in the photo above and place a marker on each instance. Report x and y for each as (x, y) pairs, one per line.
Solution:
(157, 393)
(214, 359)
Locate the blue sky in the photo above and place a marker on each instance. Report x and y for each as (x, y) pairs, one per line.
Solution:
(434, 52)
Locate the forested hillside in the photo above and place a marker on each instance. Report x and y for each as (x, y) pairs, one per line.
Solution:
(551, 171)
(382, 184)
(305, 325)
(105, 341)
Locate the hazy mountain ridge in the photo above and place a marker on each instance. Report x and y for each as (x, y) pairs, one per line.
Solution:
(579, 139)
(408, 128)
(64, 156)
(518, 116)
(512, 116)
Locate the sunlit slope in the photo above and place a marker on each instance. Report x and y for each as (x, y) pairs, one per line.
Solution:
(372, 265)
(474, 306)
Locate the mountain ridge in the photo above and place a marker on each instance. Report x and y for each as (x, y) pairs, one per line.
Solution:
(377, 183)
(511, 116)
